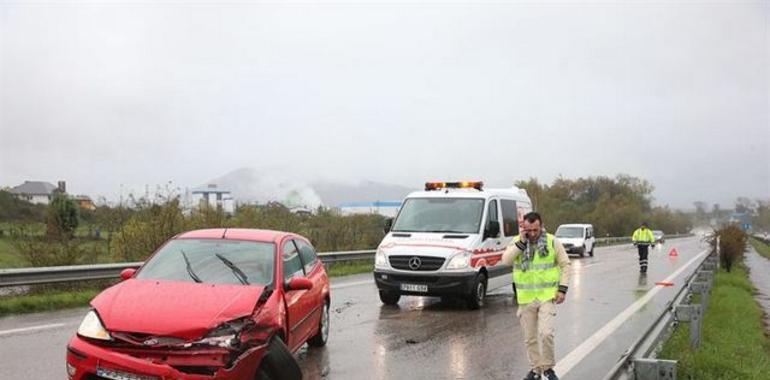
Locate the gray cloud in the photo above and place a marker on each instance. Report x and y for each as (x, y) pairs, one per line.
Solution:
(104, 94)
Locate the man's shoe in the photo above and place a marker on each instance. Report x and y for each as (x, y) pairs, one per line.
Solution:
(550, 374)
(532, 375)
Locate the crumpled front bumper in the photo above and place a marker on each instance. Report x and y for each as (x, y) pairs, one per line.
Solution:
(83, 358)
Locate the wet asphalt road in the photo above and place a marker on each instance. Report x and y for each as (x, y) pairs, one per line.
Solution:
(423, 338)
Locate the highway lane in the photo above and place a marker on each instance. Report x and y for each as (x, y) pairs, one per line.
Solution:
(424, 338)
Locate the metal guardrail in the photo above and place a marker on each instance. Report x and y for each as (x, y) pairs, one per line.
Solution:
(60, 274)
(53, 275)
(639, 362)
(627, 239)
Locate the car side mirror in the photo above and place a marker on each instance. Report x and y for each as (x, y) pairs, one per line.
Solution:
(492, 230)
(299, 283)
(127, 273)
(388, 225)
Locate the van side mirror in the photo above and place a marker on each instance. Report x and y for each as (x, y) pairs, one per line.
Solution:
(492, 230)
(388, 225)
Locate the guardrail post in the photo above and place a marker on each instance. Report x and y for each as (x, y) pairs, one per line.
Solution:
(694, 315)
(654, 369)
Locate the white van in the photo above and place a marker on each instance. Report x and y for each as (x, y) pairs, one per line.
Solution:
(448, 241)
(577, 238)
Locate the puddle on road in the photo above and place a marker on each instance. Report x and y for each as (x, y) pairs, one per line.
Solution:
(759, 272)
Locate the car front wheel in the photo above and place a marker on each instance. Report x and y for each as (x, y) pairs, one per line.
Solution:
(278, 363)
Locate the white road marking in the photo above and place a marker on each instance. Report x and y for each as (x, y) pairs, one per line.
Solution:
(32, 328)
(578, 354)
(352, 284)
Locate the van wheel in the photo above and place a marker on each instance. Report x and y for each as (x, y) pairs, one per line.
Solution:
(591, 252)
(278, 363)
(389, 298)
(320, 338)
(475, 299)
(583, 252)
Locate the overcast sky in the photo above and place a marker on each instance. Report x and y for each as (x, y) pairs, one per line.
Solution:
(109, 93)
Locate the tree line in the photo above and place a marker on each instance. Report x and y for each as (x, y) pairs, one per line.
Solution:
(615, 206)
(60, 234)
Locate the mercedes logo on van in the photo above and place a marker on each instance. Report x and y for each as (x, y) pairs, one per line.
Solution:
(415, 263)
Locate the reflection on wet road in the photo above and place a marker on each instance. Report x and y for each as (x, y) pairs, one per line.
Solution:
(425, 338)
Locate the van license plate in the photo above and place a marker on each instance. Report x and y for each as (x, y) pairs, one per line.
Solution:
(414, 288)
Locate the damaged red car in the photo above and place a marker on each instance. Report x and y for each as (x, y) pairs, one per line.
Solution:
(209, 304)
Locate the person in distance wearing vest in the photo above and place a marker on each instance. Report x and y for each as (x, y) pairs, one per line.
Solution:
(643, 238)
(541, 271)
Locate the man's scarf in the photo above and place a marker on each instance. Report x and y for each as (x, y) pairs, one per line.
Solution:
(541, 247)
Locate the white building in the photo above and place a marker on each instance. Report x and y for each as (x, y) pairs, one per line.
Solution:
(215, 197)
(37, 192)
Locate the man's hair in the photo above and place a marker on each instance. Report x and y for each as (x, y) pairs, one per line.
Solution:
(533, 217)
(644, 224)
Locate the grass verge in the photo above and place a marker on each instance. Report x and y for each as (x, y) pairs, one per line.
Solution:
(347, 268)
(734, 344)
(761, 247)
(46, 301)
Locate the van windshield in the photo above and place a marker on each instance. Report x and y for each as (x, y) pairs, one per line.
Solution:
(453, 215)
(569, 232)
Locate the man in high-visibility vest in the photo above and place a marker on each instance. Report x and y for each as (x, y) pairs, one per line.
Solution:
(541, 274)
(643, 238)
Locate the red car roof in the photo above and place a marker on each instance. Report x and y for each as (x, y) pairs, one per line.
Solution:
(235, 233)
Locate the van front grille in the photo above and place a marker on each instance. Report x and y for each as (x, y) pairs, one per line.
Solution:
(416, 263)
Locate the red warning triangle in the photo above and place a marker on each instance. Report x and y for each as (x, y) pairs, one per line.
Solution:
(673, 252)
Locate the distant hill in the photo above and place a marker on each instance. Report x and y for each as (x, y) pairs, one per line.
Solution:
(262, 186)
(333, 193)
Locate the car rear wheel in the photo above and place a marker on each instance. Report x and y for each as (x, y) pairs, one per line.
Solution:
(475, 299)
(319, 339)
(278, 363)
(389, 298)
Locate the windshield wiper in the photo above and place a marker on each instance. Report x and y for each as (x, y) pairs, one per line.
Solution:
(189, 268)
(238, 272)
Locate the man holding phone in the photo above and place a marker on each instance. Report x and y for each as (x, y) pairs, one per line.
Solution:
(541, 274)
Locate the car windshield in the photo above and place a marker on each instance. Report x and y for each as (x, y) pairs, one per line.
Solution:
(212, 261)
(657, 233)
(569, 232)
(452, 215)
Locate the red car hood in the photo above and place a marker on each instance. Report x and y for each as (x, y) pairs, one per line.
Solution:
(179, 309)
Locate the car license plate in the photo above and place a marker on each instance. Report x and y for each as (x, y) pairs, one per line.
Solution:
(414, 288)
(120, 375)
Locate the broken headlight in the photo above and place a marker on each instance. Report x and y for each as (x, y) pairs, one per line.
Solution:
(225, 335)
(92, 327)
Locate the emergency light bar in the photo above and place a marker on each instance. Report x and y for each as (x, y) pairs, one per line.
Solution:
(478, 185)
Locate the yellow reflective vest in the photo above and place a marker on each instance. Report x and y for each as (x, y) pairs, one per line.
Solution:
(643, 235)
(541, 280)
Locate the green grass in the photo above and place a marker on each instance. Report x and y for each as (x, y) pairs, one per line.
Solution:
(734, 343)
(9, 257)
(46, 301)
(350, 267)
(761, 247)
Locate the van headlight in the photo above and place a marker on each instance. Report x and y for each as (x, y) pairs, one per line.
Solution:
(461, 260)
(92, 327)
(379, 260)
